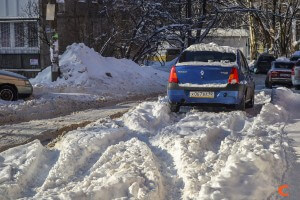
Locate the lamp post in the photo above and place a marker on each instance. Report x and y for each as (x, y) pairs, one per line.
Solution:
(51, 17)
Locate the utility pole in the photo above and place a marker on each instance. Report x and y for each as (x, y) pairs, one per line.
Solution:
(189, 17)
(51, 17)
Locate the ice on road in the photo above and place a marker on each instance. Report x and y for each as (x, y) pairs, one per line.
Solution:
(151, 153)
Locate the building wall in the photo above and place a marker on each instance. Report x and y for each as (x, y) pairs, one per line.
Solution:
(20, 46)
(237, 42)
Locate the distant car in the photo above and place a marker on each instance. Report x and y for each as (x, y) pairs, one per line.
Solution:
(279, 74)
(296, 75)
(14, 86)
(211, 75)
(295, 56)
(263, 63)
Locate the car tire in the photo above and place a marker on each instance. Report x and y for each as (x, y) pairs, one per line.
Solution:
(297, 87)
(268, 84)
(174, 108)
(242, 105)
(8, 93)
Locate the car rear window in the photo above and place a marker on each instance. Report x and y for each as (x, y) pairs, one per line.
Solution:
(284, 65)
(206, 56)
(266, 58)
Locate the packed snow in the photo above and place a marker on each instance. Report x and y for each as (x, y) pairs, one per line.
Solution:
(88, 80)
(211, 47)
(151, 153)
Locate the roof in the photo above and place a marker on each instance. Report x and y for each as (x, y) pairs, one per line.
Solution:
(211, 47)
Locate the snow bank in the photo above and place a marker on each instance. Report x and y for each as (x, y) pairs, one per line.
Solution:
(82, 67)
(151, 153)
(88, 79)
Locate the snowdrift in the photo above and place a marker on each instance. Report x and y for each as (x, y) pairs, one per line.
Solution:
(82, 67)
(151, 153)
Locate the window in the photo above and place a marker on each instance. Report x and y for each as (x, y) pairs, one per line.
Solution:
(5, 34)
(207, 56)
(32, 34)
(19, 35)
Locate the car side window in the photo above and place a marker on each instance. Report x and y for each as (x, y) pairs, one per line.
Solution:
(246, 63)
(243, 64)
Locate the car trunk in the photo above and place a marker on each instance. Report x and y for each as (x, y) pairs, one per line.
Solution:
(203, 74)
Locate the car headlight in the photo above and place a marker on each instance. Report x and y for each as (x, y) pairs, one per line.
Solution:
(27, 83)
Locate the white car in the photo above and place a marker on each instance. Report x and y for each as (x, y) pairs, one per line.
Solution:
(296, 75)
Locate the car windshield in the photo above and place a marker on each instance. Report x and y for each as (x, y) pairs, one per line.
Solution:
(206, 56)
(284, 65)
(295, 58)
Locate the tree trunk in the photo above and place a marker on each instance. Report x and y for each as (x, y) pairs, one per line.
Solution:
(253, 39)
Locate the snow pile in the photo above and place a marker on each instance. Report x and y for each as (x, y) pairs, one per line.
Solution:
(166, 66)
(82, 67)
(211, 47)
(52, 104)
(88, 80)
(283, 59)
(151, 153)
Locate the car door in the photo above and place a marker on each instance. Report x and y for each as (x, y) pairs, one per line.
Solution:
(247, 76)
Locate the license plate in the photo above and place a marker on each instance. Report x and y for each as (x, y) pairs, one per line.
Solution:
(285, 75)
(202, 94)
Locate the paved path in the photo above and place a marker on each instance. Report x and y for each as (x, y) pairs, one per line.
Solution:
(45, 130)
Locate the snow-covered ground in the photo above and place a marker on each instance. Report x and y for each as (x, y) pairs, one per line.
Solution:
(151, 153)
(88, 81)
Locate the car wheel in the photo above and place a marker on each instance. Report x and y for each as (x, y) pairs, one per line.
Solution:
(268, 84)
(174, 108)
(242, 105)
(297, 87)
(8, 93)
(250, 104)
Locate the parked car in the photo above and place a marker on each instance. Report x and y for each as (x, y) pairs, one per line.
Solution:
(295, 56)
(263, 63)
(296, 75)
(211, 76)
(14, 86)
(279, 74)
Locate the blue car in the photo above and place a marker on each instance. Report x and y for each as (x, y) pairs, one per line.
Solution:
(211, 75)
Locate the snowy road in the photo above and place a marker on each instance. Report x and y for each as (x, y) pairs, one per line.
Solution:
(45, 130)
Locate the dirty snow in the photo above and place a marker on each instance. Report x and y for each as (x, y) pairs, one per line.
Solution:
(151, 153)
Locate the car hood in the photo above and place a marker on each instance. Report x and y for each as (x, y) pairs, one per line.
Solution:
(11, 74)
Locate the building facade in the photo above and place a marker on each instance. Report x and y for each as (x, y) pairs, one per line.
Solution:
(20, 45)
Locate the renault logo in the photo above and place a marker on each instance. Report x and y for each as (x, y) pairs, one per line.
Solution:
(202, 72)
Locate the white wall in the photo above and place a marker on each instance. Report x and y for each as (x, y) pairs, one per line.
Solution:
(237, 42)
(14, 8)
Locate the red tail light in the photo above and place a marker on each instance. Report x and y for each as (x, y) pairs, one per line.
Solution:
(274, 74)
(173, 76)
(293, 71)
(234, 76)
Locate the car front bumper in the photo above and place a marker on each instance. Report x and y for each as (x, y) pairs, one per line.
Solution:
(25, 90)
